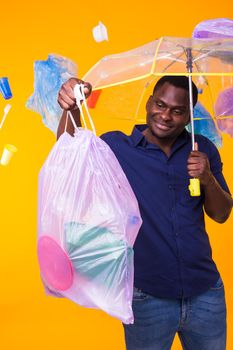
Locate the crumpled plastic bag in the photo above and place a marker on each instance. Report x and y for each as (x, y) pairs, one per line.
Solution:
(93, 250)
(205, 125)
(214, 28)
(49, 75)
(220, 28)
(224, 108)
(88, 222)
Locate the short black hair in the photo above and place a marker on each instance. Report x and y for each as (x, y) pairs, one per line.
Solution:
(180, 81)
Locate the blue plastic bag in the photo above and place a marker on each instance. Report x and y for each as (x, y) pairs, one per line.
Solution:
(205, 125)
(49, 75)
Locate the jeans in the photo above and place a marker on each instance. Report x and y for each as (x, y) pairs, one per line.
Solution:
(200, 321)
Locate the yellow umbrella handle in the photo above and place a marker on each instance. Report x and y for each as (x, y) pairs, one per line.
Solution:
(194, 187)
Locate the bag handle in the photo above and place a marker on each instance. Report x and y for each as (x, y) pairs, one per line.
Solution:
(69, 114)
(80, 96)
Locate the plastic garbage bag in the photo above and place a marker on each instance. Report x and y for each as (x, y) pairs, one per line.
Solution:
(214, 28)
(205, 125)
(88, 222)
(49, 75)
(224, 108)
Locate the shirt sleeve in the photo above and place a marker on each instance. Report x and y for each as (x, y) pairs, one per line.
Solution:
(104, 137)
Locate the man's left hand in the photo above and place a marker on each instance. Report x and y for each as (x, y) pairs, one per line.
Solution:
(198, 166)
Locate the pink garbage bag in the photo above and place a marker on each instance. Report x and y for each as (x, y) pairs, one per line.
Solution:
(88, 222)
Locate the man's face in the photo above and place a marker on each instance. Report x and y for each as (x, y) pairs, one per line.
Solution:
(168, 112)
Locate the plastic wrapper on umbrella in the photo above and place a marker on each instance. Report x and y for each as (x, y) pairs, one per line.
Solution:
(49, 75)
(205, 125)
(224, 111)
(214, 28)
(220, 28)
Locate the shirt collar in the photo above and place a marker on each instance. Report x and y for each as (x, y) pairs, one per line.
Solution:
(137, 135)
(139, 139)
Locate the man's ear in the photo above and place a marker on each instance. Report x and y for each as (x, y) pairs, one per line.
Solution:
(188, 120)
(148, 102)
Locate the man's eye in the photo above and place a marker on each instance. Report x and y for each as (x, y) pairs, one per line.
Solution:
(178, 111)
(159, 104)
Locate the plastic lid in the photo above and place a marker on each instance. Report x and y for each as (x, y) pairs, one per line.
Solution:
(55, 264)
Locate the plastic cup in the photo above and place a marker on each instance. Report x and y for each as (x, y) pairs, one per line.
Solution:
(5, 88)
(7, 154)
(93, 98)
(100, 32)
(55, 265)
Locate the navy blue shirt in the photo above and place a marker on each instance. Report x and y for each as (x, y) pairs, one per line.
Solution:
(173, 256)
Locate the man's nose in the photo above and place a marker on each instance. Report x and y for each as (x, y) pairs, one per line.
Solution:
(166, 114)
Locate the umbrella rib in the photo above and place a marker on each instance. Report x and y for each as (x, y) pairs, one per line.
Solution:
(121, 82)
(166, 54)
(177, 57)
(141, 97)
(156, 54)
(214, 117)
(161, 74)
(202, 56)
(173, 62)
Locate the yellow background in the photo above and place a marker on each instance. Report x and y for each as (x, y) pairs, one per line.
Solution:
(30, 31)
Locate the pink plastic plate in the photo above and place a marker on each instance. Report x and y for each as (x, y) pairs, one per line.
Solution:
(55, 265)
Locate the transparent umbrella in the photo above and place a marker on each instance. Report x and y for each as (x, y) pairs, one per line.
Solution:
(123, 82)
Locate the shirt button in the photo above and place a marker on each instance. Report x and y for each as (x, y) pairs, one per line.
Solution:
(170, 187)
(177, 234)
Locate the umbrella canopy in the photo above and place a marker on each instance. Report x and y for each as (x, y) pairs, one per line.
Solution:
(123, 82)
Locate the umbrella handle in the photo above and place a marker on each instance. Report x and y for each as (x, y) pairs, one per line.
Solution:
(194, 187)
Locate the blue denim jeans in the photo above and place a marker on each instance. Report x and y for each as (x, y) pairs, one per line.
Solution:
(200, 321)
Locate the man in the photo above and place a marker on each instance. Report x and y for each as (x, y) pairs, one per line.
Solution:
(178, 288)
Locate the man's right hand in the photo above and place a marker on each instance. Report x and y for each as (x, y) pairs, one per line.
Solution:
(66, 97)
